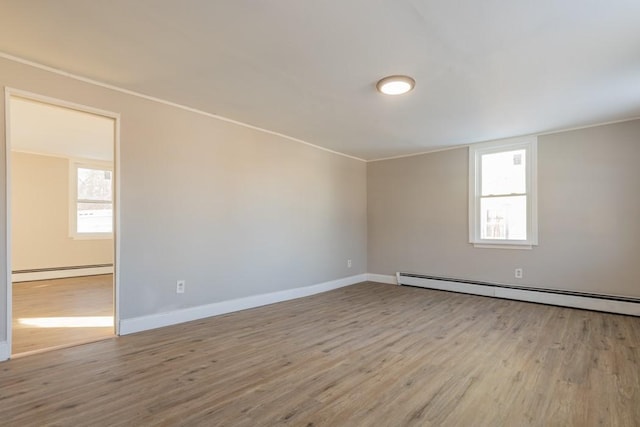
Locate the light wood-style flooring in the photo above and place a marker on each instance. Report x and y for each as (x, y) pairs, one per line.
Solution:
(365, 355)
(61, 312)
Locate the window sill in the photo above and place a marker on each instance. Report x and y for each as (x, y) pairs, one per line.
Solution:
(92, 236)
(502, 246)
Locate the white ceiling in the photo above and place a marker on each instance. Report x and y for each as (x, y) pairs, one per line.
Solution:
(51, 130)
(484, 69)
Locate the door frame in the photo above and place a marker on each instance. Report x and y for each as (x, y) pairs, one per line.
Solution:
(12, 92)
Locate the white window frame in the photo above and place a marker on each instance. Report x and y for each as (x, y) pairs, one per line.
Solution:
(74, 165)
(476, 151)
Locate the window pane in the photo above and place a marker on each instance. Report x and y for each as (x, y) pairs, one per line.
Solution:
(94, 184)
(504, 173)
(504, 218)
(95, 218)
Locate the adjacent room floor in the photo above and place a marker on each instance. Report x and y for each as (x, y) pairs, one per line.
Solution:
(61, 312)
(364, 355)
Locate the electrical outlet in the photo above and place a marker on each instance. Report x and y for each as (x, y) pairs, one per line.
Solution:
(180, 286)
(518, 273)
(349, 263)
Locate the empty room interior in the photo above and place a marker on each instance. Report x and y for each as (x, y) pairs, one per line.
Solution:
(390, 213)
(61, 225)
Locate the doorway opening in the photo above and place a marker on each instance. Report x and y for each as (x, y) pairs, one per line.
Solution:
(61, 223)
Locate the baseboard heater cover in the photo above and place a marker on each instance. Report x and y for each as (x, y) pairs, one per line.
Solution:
(584, 300)
(60, 272)
(73, 267)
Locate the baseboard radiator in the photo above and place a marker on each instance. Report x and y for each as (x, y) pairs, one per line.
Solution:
(588, 301)
(60, 272)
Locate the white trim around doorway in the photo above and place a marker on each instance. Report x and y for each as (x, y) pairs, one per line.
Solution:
(5, 347)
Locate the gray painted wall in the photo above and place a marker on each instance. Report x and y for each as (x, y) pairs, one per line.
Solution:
(233, 211)
(588, 213)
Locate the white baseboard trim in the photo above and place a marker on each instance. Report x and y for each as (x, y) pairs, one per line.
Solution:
(4, 351)
(596, 303)
(153, 321)
(382, 278)
(59, 274)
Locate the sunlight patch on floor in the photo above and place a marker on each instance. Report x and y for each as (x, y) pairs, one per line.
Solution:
(67, 322)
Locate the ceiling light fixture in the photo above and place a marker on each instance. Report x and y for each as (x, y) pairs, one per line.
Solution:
(395, 85)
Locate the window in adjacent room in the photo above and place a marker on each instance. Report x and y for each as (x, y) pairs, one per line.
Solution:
(502, 194)
(92, 200)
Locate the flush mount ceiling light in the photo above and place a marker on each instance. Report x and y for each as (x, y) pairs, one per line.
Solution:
(395, 85)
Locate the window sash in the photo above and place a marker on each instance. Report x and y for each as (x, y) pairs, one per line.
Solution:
(102, 202)
(495, 196)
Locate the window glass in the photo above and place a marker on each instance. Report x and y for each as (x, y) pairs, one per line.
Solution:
(504, 173)
(503, 218)
(94, 217)
(91, 207)
(94, 184)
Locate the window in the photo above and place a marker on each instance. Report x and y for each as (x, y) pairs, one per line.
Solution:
(502, 194)
(91, 212)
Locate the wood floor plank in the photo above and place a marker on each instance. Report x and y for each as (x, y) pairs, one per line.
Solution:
(74, 297)
(368, 354)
